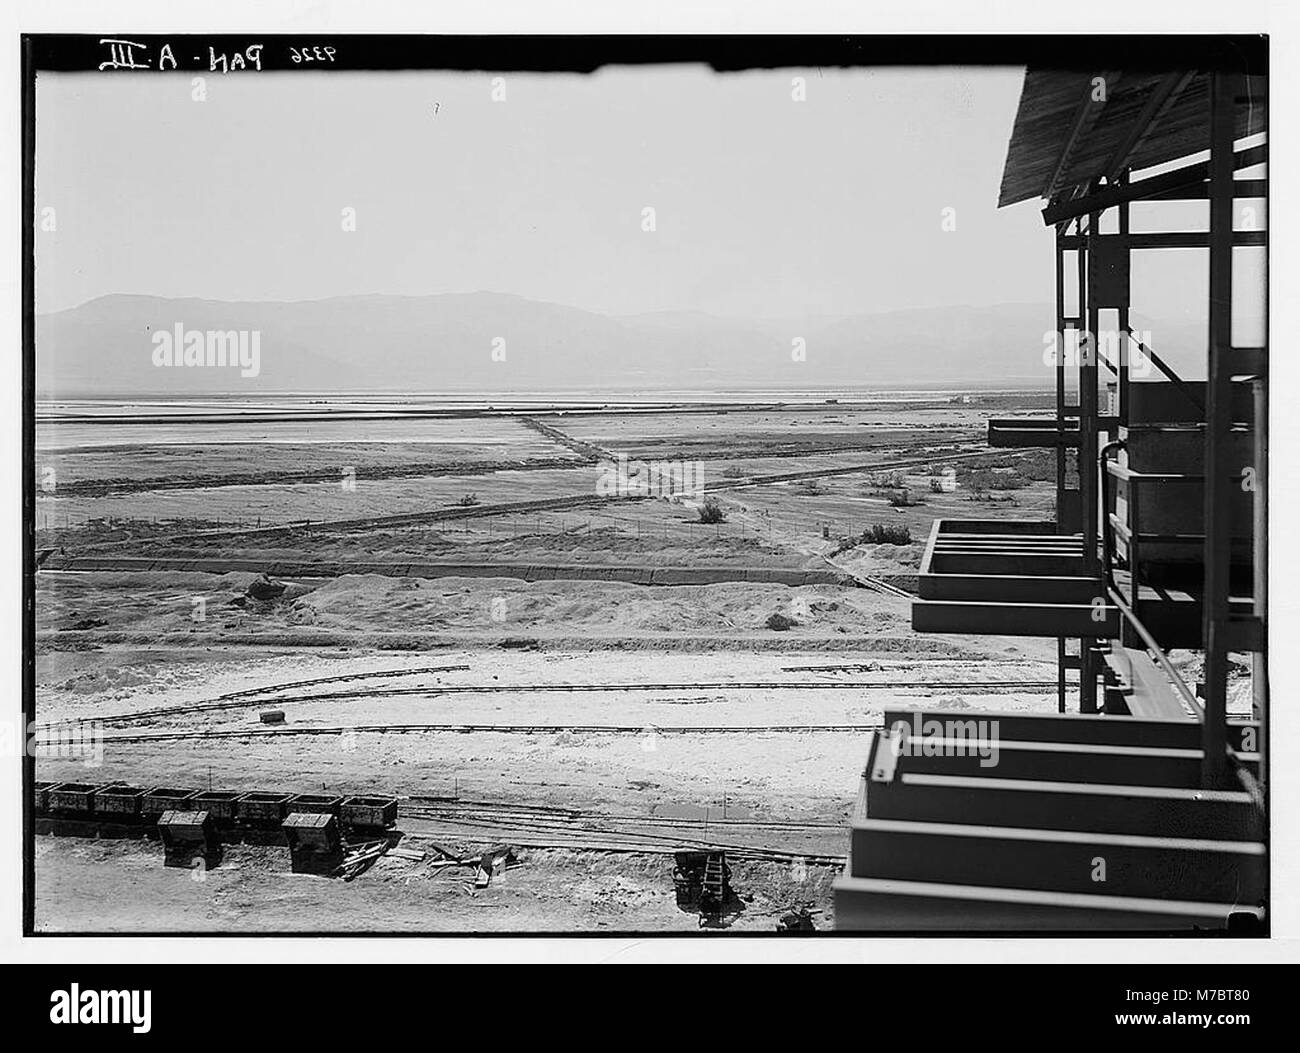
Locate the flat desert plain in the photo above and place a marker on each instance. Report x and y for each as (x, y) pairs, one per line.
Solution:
(470, 622)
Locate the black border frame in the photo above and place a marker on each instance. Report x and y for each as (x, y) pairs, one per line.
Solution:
(83, 53)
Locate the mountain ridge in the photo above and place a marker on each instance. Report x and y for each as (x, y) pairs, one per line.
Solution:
(380, 342)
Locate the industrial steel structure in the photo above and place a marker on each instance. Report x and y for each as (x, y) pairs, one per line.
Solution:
(1145, 809)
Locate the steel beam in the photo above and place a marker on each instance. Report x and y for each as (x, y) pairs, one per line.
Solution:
(1110, 196)
(1160, 102)
(1224, 89)
(1178, 239)
(1085, 116)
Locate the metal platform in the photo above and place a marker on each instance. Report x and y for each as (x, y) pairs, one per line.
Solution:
(1009, 578)
(1083, 822)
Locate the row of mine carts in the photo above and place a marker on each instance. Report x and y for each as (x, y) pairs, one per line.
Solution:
(194, 824)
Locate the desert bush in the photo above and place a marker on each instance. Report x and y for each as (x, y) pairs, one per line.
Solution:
(468, 500)
(780, 623)
(987, 479)
(711, 511)
(877, 534)
(887, 534)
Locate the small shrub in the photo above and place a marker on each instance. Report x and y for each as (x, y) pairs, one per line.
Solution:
(732, 473)
(892, 481)
(468, 500)
(887, 534)
(987, 479)
(876, 534)
(780, 623)
(712, 511)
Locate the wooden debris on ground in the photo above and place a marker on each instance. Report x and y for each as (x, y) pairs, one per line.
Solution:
(360, 858)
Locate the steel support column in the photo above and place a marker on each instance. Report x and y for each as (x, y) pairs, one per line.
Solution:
(1061, 526)
(1088, 446)
(1121, 390)
(1220, 475)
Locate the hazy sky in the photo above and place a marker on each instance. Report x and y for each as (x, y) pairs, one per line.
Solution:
(763, 205)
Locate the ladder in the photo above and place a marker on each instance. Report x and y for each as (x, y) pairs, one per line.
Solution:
(713, 893)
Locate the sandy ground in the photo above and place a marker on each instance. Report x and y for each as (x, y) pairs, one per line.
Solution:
(653, 766)
(695, 739)
(355, 611)
(122, 886)
(802, 770)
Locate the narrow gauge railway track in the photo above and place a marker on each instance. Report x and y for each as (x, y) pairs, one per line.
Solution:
(875, 584)
(592, 830)
(380, 675)
(253, 698)
(470, 729)
(449, 808)
(886, 665)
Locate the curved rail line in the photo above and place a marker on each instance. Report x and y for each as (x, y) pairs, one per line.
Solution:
(380, 675)
(270, 698)
(469, 729)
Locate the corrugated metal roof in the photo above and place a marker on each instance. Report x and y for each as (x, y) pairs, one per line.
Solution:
(1058, 114)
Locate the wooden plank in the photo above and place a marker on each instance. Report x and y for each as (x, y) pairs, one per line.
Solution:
(1038, 564)
(1009, 543)
(1052, 761)
(1170, 811)
(1069, 861)
(1008, 588)
(1180, 732)
(878, 905)
(996, 526)
(1015, 619)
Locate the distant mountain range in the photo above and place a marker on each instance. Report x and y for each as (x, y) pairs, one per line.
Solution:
(497, 342)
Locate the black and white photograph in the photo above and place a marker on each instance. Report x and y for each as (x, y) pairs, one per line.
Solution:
(699, 487)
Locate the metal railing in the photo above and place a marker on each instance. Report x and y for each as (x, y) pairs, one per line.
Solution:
(1185, 694)
(1188, 696)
